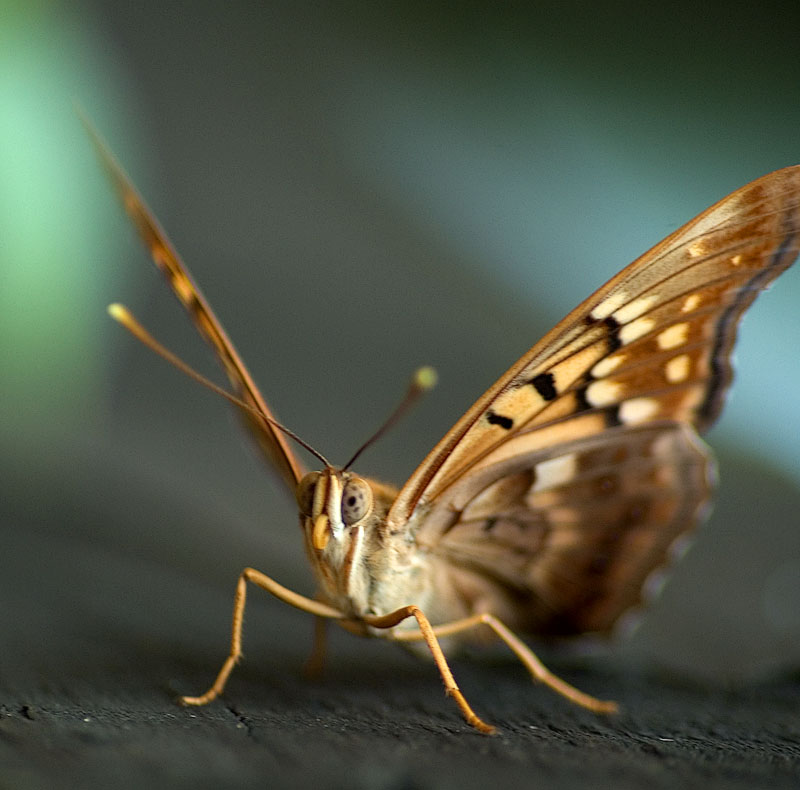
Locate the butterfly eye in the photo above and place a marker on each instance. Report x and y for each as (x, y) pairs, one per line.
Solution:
(356, 500)
(305, 493)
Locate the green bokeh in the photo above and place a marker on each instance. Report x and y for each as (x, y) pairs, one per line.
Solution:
(56, 249)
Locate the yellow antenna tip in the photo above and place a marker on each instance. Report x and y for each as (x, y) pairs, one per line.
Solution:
(425, 378)
(118, 312)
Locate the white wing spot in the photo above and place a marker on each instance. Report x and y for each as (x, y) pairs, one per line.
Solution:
(636, 308)
(607, 365)
(555, 471)
(635, 330)
(736, 260)
(697, 249)
(603, 392)
(611, 303)
(673, 336)
(637, 410)
(690, 303)
(677, 369)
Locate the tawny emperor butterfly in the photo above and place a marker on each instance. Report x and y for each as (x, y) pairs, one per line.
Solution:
(550, 502)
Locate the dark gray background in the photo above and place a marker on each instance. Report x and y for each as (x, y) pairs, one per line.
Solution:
(361, 189)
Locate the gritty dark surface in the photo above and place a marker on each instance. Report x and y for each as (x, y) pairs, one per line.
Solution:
(389, 726)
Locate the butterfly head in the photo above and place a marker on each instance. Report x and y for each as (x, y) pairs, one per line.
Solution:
(341, 514)
(332, 502)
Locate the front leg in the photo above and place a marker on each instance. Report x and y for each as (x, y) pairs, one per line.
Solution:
(321, 610)
(426, 632)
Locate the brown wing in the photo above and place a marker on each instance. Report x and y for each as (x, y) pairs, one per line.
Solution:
(562, 540)
(564, 486)
(653, 343)
(272, 442)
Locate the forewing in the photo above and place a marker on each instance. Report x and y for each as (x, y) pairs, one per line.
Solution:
(271, 441)
(653, 344)
(565, 485)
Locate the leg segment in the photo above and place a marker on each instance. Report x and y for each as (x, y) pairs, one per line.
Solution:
(538, 670)
(426, 632)
(316, 661)
(279, 591)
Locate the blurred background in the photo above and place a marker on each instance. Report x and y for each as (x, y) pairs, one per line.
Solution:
(359, 188)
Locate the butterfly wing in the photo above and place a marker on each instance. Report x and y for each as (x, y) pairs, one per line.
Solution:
(631, 374)
(562, 540)
(271, 441)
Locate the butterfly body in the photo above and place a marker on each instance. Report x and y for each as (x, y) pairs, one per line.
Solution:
(359, 569)
(551, 503)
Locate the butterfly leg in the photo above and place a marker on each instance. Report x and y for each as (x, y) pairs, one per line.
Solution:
(279, 591)
(316, 661)
(538, 670)
(426, 633)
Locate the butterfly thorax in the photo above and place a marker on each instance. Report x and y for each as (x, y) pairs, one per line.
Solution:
(360, 567)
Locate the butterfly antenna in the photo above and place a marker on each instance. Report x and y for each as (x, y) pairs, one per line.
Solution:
(424, 379)
(123, 316)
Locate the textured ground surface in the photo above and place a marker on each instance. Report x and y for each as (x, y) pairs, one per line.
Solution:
(388, 726)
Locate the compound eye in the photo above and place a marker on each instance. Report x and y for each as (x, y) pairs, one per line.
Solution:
(356, 500)
(305, 493)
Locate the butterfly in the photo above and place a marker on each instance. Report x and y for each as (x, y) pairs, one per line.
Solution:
(549, 504)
